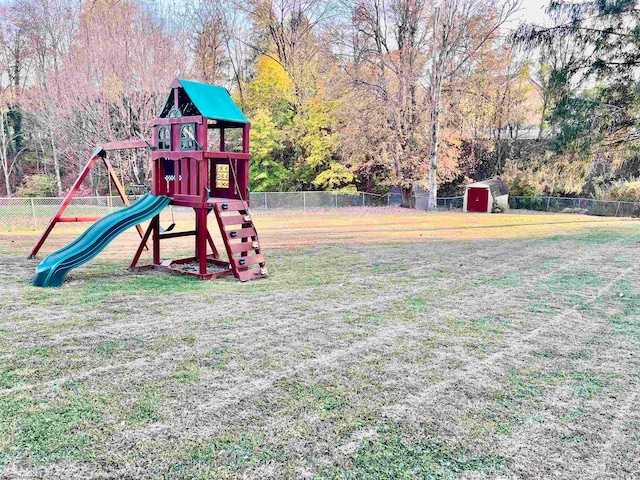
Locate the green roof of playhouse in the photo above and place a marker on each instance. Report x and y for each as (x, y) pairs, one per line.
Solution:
(211, 101)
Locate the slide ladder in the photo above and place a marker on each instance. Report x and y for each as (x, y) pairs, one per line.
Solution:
(240, 239)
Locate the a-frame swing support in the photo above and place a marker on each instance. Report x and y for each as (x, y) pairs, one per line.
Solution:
(99, 153)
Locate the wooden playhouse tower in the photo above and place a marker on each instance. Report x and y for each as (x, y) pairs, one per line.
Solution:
(200, 159)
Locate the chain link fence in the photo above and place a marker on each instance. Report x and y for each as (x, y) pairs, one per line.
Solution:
(605, 208)
(35, 213)
(586, 206)
(444, 203)
(314, 200)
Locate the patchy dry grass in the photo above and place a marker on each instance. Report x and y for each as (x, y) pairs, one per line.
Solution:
(471, 358)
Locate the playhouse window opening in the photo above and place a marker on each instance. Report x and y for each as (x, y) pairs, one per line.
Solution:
(188, 136)
(164, 137)
(233, 140)
(213, 139)
(169, 170)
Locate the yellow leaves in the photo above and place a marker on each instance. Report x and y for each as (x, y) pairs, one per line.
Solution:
(629, 192)
(270, 71)
(449, 155)
(113, 87)
(335, 177)
(271, 85)
(7, 97)
(263, 135)
(521, 181)
(554, 174)
(95, 9)
(313, 131)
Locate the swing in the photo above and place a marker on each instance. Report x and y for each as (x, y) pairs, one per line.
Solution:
(173, 222)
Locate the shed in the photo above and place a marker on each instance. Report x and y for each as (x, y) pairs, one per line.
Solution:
(395, 196)
(421, 196)
(480, 196)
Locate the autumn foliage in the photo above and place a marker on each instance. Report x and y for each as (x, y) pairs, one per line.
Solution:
(335, 102)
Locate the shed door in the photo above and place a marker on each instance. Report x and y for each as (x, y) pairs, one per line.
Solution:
(477, 200)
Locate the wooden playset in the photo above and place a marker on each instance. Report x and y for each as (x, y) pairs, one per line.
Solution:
(200, 159)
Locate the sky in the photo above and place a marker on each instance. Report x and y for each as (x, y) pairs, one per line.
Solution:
(531, 11)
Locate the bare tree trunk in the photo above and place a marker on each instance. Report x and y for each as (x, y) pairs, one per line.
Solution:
(436, 83)
(56, 164)
(4, 153)
(405, 198)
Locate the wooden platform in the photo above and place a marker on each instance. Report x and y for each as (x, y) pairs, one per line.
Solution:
(239, 235)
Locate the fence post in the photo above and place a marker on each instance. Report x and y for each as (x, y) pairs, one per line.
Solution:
(265, 201)
(548, 202)
(617, 208)
(304, 201)
(33, 214)
(335, 196)
(363, 199)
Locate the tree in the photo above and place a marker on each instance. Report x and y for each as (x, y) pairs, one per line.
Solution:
(267, 174)
(290, 37)
(7, 137)
(14, 63)
(209, 42)
(461, 29)
(289, 80)
(592, 41)
(402, 52)
(590, 54)
(112, 83)
(382, 51)
(49, 27)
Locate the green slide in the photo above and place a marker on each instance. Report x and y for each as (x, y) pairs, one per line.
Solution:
(53, 269)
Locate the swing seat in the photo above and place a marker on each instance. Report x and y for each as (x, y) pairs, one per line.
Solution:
(168, 229)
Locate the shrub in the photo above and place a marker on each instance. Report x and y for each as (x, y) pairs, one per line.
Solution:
(499, 207)
(38, 186)
(526, 203)
(626, 192)
(521, 183)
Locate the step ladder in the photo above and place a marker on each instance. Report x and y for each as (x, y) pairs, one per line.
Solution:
(240, 239)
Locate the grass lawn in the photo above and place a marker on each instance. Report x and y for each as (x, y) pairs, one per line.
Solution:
(383, 345)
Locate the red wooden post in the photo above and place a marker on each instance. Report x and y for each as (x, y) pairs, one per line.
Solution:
(245, 138)
(156, 239)
(65, 203)
(182, 178)
(243, 173)
(201, 239)
(201, 171)
(120, 189)
(173, 189)
(156, 186)
(203, 177)
(142, 245)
